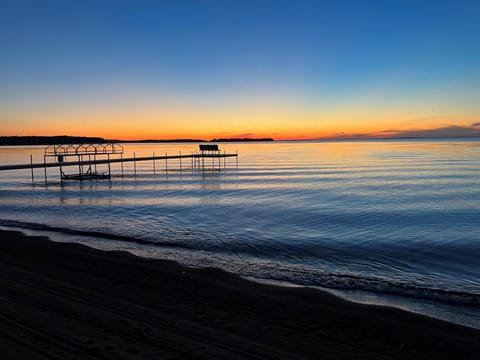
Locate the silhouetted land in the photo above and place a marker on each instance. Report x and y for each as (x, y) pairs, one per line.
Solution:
(65, 139)
(68, 301)
(49, 140)
(240, 139)
(161, 141)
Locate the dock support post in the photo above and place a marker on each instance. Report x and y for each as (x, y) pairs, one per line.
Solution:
(166, 163)
(180, 152)
(236, 157)
(109, 170)
(153, 158)
(45, 168)
(61, 173)
(134, 164)
(224, 160)
(121, 162)
(31, 163)
(80, 169)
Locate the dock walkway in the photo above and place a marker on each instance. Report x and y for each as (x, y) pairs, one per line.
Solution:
(91, 155)
(116, 160)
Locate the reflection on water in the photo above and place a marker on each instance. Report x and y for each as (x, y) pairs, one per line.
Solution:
(396, 217)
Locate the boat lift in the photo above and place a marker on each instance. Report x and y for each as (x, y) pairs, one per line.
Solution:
(86, 156)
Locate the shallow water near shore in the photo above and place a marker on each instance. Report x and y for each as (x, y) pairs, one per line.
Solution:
(384, 222)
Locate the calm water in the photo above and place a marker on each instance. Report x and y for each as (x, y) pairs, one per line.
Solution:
(387, 222)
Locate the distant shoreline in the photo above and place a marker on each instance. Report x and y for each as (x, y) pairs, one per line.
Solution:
(65, 139)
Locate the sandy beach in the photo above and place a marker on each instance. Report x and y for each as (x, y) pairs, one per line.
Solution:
(69, 301)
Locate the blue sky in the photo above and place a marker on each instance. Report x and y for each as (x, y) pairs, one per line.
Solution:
(313, 57)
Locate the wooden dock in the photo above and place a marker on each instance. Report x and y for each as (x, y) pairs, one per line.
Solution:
(91, 155)
(194, 156)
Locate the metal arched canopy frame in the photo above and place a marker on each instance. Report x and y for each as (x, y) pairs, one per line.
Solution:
(83, 149)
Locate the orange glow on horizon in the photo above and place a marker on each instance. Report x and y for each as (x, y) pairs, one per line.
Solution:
(275, 122)
(207, 133)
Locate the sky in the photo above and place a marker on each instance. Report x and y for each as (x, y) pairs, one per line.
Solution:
(222, 68)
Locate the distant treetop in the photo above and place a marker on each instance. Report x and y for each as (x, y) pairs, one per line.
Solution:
(49, 140)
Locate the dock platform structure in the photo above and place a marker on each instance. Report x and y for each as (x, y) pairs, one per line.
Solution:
(87, 158)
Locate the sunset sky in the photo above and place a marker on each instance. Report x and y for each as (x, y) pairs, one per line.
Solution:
(205, 69)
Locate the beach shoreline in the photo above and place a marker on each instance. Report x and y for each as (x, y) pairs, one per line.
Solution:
(456, 313)
(65, 300)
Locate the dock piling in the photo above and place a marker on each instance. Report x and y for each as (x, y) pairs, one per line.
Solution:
(61, 172)
(45, 169)
(31, 163)
(121, 163)
(80, 167)
(134, 164)
(109, 170)
(153, 158)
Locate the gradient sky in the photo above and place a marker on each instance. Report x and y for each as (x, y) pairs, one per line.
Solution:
(204, 69)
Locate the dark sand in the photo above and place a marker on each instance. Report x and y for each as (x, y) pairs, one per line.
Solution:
(68, 301)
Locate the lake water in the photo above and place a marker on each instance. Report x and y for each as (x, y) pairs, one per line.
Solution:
(381, 222)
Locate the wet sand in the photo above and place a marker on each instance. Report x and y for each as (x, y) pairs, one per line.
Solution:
(69, 301)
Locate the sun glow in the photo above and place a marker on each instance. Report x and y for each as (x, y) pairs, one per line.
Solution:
(226, 123)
